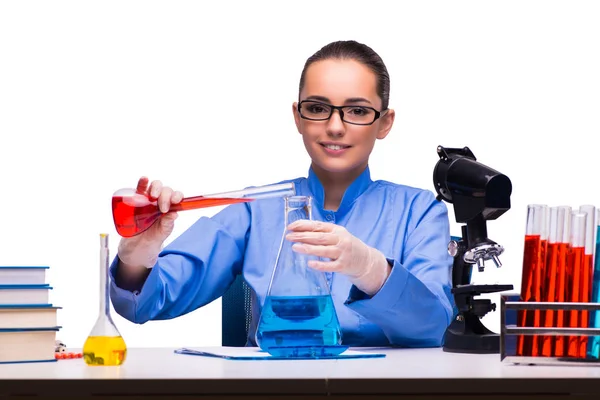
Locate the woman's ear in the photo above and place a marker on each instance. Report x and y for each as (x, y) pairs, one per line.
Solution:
(386, 124)
(296, 116)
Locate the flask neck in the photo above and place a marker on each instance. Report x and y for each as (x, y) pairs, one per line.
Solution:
(297, 208)
(104, 287)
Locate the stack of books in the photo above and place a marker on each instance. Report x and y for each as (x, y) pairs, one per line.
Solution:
(28, 322)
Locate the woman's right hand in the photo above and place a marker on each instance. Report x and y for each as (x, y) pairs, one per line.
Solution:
(142, 250)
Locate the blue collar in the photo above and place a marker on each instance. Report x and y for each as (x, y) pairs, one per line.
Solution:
(356, 188)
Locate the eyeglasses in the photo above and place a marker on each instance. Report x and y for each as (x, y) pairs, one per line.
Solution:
(356, 115)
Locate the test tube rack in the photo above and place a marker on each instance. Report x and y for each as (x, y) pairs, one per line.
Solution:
(509, 331)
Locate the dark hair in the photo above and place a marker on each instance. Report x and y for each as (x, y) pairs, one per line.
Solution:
(350, 49)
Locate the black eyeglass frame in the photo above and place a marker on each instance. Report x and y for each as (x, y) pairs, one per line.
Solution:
(340, 110)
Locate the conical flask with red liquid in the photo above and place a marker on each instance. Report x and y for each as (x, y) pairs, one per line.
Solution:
(298, 318)
(135, 212)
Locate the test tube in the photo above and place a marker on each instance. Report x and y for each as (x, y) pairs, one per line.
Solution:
(594, 341)
(587, 268)
(561, 288)
(539, 281)
(535, 238)
(574, 270)
(551, 275)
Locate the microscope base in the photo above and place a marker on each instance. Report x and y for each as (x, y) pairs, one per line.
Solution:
(470, 337)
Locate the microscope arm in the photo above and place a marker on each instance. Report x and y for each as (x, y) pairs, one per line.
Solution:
(478, 194)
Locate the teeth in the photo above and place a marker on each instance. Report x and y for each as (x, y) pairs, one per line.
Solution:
(334, 146)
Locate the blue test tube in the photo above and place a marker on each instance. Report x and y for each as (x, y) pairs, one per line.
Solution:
(593, 349)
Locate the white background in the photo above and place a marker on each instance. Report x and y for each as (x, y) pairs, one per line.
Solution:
(94, 94)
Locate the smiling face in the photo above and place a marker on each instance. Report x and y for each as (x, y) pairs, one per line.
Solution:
(338, 148)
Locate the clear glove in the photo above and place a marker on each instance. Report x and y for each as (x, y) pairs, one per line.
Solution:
(142, 250)
(366, 267)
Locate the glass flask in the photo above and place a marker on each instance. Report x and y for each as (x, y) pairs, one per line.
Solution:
(298, 318)
(105, 345)
(135, 212)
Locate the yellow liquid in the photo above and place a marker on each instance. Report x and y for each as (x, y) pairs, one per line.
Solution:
(104, 350)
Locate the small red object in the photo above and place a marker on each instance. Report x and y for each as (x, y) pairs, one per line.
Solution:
(67, 356)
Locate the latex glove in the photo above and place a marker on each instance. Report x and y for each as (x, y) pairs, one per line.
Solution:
(366, 267)
(142, 250)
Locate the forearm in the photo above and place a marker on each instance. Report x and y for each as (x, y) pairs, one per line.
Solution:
(135, 257)
(187, 274)
(409, 312)
(374, 277)
(170, 288)
(130, 277)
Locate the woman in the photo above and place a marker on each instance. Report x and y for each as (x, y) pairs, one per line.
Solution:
(390, 273)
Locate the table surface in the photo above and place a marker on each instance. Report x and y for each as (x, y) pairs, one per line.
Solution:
(162, 371)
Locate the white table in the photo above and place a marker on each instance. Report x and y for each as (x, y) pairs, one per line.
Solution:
(403, 372)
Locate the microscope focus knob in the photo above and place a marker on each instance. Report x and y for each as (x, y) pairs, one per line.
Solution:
(453, 248)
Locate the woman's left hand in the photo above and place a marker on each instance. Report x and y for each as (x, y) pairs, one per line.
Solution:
(366, 267)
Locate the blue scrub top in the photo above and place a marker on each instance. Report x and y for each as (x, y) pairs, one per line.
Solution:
(408, 225)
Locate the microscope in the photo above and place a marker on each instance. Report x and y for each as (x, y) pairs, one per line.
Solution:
(479, 194)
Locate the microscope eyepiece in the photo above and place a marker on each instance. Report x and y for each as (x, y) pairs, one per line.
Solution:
(474, 188)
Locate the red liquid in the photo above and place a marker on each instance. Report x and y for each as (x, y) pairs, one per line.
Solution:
(574, 294)
(561, 296)
(550, 295)
(134, 214)
(531, 260)
(538, 293)
(587, 269)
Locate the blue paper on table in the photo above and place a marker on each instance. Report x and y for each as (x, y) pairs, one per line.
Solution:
(255, 353)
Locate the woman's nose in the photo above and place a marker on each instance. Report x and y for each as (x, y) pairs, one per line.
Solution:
(335, 125)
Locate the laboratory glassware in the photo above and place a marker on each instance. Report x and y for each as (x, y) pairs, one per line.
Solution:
(587, 268)
(561, 285)
(104, 345)
(135, 212)
(298, 318)
(551, 275)
(575, 268)
(534, 252)
(594, 341)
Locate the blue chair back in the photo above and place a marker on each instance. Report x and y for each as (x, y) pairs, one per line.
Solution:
(236, 313)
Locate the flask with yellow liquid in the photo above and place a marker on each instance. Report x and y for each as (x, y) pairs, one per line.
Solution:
(105, 345)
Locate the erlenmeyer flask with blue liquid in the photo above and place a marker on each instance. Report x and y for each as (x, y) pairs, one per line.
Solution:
(298, 318)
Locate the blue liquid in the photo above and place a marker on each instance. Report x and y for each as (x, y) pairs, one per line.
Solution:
(299, 326)
(593, 350)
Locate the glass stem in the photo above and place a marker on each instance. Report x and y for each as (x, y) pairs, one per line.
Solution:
(104, 288)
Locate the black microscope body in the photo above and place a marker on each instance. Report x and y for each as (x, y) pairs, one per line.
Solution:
(479, 194)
